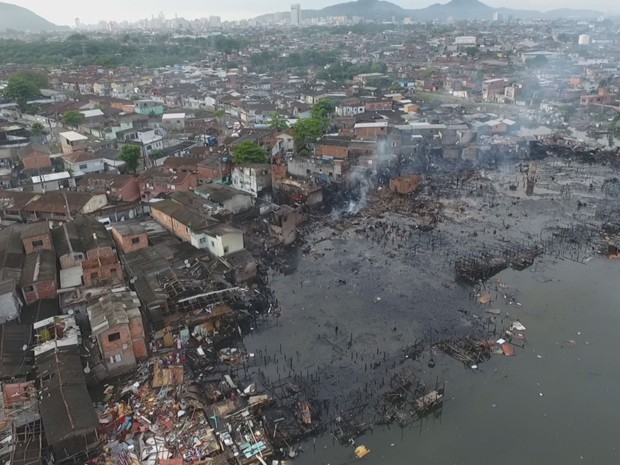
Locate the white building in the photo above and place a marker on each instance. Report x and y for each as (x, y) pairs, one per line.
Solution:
(296, 14)
(584, 39)
(465, 40)
(252, 177)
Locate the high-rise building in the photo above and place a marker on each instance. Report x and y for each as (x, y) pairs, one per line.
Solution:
(497, 16)
(584, 39)
(215, 22)
(77, 23)
(296, 14)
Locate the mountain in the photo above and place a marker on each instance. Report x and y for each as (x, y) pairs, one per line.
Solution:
(20, 19)
(380, 10)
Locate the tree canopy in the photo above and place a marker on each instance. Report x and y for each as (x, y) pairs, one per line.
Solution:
(249, 152)
(36, 129)
(21, 89)
(73, 118)
(130, 154)
(278, 122)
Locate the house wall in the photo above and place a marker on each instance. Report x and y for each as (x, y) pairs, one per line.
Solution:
(90, 166)
(9, 307)
(40, 290)
(334, 151)
(70, 260)
(223, 245)
(29, 243)
(118, 354)
(95, 203)
(138, 338)
(370, 132)
(94, 272)
(251, 180)
(127, 244)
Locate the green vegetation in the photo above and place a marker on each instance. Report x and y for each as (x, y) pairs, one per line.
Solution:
(278, 122)
(307, 131)
(24, 86)
(343, 71)
(73, 118)
(614, 130)
(128, 50)
(249, 152)
(130, 154)
(36, 129)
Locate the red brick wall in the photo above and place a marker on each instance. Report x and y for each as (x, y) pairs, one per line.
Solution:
(370, 132)
(377, 106)
(136, 328)
(45, 238)
(335, 151)
(110, 349)
(40, 290)
(126, 244)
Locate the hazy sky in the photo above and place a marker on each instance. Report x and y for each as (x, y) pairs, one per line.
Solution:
(90, 11)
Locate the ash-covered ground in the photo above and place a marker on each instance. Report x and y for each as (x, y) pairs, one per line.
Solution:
(359, 288)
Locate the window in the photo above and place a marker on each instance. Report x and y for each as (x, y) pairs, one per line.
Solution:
(37, 243)
(226, 249)
(94, 275)
(114, 337)
(83, 167)
(202, 240)
(112, 270)
(135, 240)
(212, 243)
(28, 289)
(149, 147)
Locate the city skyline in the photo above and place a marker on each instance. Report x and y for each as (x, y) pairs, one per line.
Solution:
(230, 10)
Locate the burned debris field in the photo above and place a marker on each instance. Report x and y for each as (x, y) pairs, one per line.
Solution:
(371, 296)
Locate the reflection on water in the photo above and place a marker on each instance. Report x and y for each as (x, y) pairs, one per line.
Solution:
(555, 402)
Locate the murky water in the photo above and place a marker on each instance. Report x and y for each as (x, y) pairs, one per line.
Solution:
(555, 402)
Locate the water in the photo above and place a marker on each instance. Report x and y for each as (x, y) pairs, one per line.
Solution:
(555, 402)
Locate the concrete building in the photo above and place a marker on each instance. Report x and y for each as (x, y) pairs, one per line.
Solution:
(130, 236)
(37, 236)
(38, 278)
(253, 178)
(296, 14)
(116, 323)
(225, 197)
(72, 141)
(584, 39)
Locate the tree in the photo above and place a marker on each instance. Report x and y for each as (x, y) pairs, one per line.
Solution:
(35, 77)
(131, 154)
(36, 129)
(307, 131)
(219, 115)
(278, 122)
(73, 118)
(249, 152)
(323, 109)
(614, 130)
(20, 90)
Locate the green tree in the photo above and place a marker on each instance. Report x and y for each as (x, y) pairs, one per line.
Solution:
(131, 154)
(278, 122)
(20, 90)
(307, 131)
(73, 118)
(219, 116)
(35, 77)
(249, 152)
(614, 130)
(36, 129)
(323, 109)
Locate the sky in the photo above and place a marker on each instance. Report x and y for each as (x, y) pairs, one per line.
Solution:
(64, 12)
